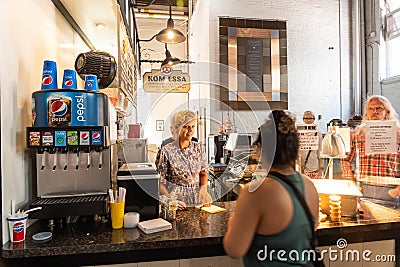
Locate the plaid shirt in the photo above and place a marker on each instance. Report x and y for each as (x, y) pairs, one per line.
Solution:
(386, 165)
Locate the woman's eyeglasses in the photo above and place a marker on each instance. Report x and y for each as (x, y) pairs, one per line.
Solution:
(187, 127)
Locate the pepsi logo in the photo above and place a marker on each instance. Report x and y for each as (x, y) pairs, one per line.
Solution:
(89, 84)
(18, 227)
(84, 136)
(59, 108)
(68, 82)
(96, 135)
(47, 79)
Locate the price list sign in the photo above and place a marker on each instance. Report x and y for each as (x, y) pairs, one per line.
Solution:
(308, 136)
(380, 137)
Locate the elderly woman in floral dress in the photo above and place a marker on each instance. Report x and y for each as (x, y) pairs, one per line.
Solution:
(182, 164)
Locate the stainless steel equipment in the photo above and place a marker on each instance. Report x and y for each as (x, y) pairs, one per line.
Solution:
(133, 150)
(376, 188)
(74, 173)
(142, 188)
(75, 159)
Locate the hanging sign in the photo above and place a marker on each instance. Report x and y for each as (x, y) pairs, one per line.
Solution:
(308, 136)
(166, 81)
(380, 137)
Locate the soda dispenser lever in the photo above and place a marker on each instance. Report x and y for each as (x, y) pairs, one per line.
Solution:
(66, 160)
(42, 152)
(100, 157)
(76, 150)
(54, 152)
(88, 159)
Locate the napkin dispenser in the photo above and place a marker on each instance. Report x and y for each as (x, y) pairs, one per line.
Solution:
(142, 189)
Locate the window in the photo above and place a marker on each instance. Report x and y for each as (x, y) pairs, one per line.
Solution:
(391, 15)
(393, 55)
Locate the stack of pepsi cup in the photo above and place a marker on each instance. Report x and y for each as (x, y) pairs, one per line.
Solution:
(69, 79)
(49, 78)
(91, 83)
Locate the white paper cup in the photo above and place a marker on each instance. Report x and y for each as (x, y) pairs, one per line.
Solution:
(131, 219)
(17, 228)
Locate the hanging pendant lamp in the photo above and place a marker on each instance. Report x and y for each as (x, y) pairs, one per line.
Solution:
(170, 35)
(169, 60)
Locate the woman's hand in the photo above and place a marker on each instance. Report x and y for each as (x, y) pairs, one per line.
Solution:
(205, 197)
(181, 205)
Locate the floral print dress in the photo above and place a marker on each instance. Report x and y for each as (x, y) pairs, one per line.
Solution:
(179, 170)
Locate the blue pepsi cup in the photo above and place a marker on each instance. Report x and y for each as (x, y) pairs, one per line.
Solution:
(91, 83)
(69, 79)
(49, 76)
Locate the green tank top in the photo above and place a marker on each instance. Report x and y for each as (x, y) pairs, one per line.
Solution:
(265, 250)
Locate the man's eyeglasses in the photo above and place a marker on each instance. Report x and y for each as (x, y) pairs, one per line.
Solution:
(378, 109)
(309, 118)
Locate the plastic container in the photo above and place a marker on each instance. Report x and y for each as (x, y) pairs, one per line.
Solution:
(117, 214)
(17, 228)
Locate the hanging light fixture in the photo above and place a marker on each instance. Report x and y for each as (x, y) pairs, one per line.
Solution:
(170, 35)
(169, 60)
(332, 144)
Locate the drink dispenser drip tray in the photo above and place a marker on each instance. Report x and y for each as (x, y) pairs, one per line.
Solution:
(55, 207)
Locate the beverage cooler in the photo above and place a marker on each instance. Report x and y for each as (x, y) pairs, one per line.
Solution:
(74, 154)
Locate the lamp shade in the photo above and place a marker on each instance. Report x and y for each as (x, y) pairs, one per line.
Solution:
(332, 144)
(170, 60)
(170, 36)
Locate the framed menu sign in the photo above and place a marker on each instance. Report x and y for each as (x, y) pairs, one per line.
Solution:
(254, 64)
(253, 57)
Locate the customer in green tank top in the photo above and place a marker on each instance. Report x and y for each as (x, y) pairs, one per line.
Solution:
(269, 226)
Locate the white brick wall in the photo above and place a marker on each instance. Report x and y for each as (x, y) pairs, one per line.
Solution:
(315, 71)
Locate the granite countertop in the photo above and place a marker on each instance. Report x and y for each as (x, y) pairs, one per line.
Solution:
(196, 233)
(192, 227)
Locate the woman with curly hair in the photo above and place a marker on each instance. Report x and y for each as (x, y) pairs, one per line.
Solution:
(269, 225)
(182, 163)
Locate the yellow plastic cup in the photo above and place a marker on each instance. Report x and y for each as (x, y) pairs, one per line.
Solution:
(117, 214)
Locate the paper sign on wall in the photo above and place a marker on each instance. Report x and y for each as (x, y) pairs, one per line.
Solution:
(308, 136)
(380, 137)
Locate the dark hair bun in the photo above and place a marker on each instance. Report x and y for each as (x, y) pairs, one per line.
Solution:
(285, 123)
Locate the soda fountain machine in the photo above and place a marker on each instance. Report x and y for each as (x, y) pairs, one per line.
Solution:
(75, 158)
